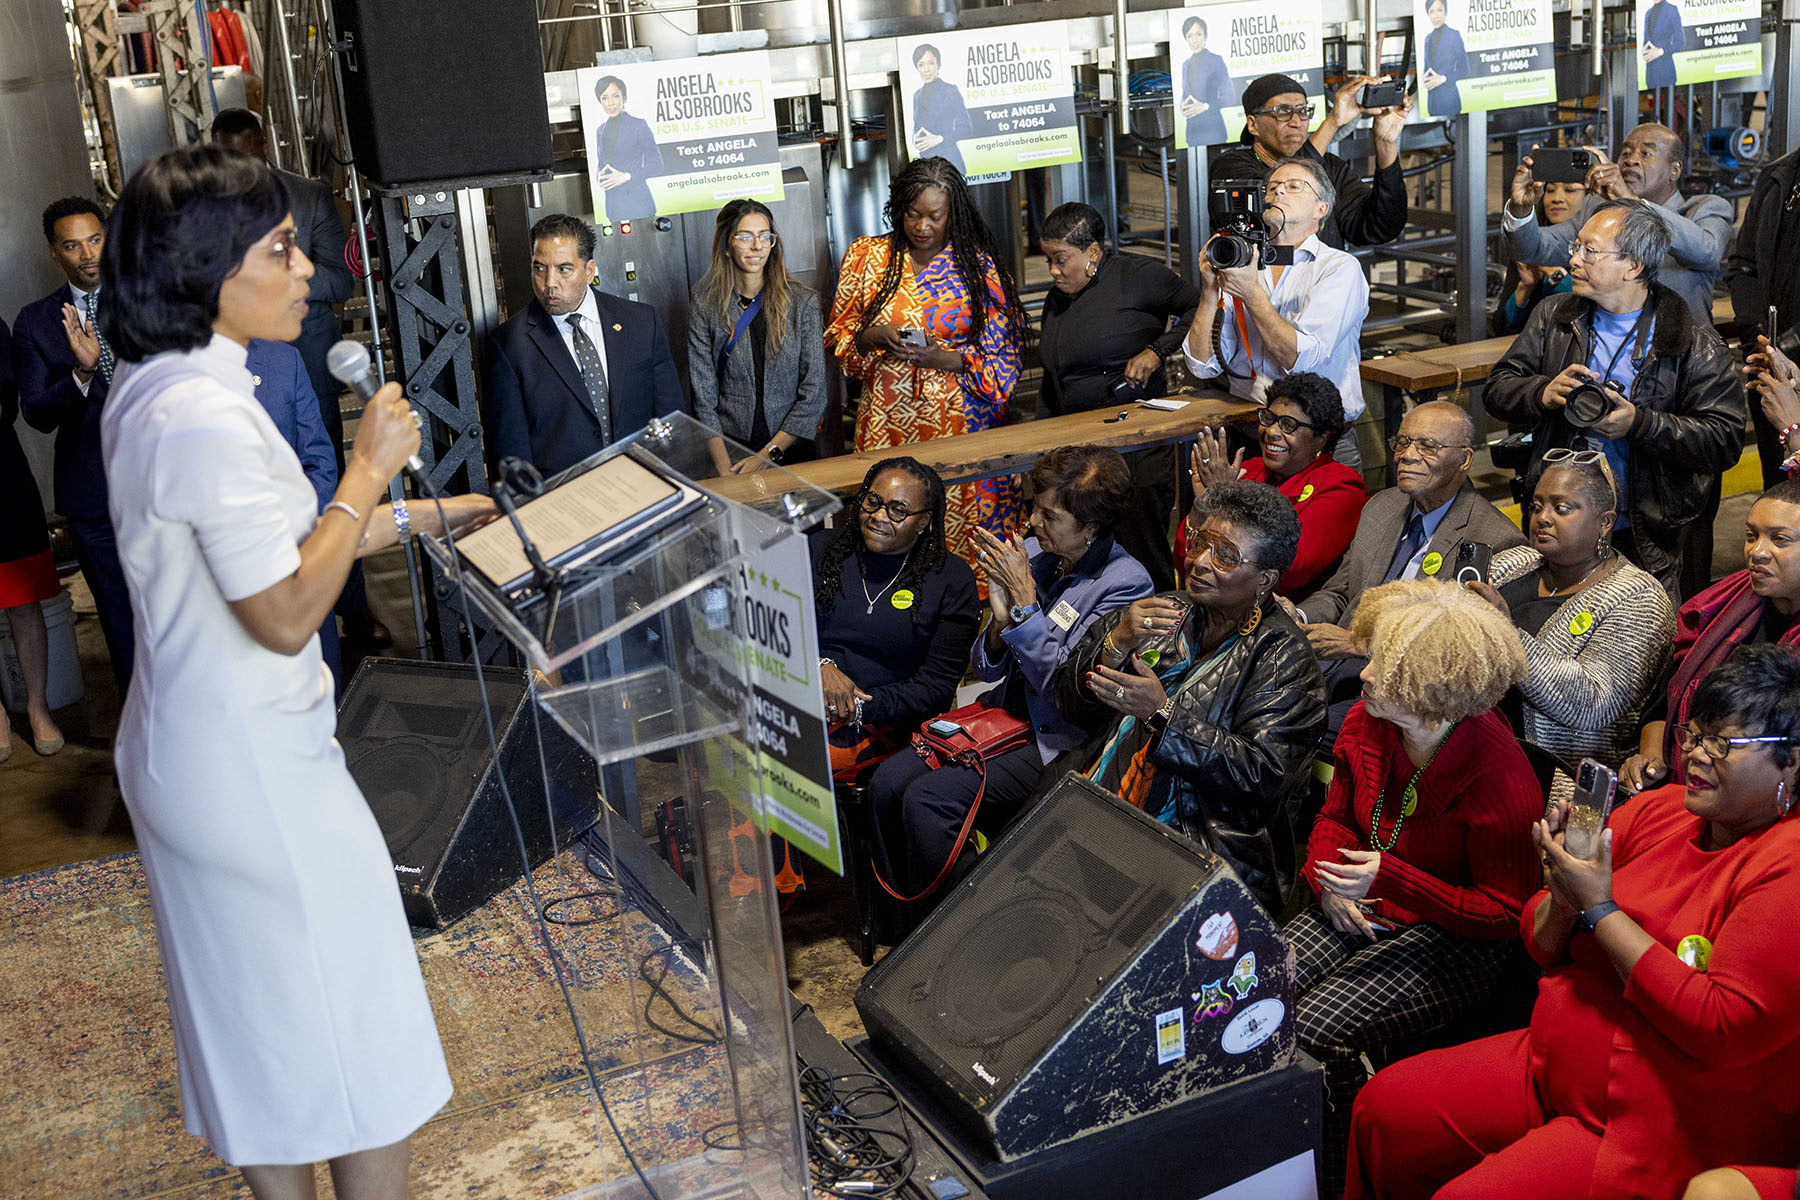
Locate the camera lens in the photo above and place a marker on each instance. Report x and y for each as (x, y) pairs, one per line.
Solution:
(1586, 404)
(1229, 250)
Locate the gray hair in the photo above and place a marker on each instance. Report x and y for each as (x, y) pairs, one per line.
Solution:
(1643, 236)
(1321, 181)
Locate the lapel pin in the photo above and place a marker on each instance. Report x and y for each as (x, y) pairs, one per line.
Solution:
(618, 328)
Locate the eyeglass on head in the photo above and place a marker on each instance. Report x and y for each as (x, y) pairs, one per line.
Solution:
(1284, 186)
(1286, 112)
(1580, 458)
(1400, 443)
(766, 237)
(896, 511)
(1225, 553)
(1267, 417)
(1717, 745)
(1583, 250)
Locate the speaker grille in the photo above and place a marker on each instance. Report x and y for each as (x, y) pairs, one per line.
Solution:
(1003, 967)
(407, 786)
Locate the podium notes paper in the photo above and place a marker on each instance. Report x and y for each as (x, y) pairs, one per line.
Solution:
(583, 510)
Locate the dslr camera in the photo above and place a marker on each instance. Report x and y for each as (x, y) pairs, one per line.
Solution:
(1236, 208)
(1589, 401)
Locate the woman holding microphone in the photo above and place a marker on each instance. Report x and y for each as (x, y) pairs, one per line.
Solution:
(301, 1023)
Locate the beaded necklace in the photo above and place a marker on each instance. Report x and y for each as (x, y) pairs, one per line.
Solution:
(1409, 799)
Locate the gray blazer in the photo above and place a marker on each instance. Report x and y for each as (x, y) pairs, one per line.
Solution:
(1470, 519)
(793, 380)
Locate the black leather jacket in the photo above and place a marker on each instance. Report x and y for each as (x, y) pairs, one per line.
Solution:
(1690, 410)
(1240, 745)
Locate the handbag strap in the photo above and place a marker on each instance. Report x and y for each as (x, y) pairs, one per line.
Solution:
(974, 762)
(746, 317)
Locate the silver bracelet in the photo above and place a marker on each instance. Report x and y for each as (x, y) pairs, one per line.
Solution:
(345, 509)
(402, 519)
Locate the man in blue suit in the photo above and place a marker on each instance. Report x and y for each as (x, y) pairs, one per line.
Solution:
(578, 369)
(64, 370)
(284, 389)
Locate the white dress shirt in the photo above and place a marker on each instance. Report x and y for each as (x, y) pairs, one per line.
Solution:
(1325, 297)
(590, 325)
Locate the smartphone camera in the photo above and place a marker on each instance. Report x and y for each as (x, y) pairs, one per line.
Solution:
(1389, 93)
(1555, 164)
(913, 337)
(1472, 562)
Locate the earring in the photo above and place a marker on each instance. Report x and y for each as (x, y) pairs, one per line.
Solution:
(1784, 803)
(1603, 546)
(1250, 622)
(1091, 269)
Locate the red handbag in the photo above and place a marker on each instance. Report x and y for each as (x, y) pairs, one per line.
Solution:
(967, 737)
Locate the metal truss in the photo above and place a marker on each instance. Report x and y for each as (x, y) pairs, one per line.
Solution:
(181, 41)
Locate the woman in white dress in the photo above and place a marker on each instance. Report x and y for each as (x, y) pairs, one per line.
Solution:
(302, 1028)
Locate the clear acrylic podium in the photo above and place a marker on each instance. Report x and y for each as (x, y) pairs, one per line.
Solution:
(664, 914)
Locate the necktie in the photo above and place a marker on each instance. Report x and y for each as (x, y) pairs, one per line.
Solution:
(592, 374)
(1410, 541)
(93, 320)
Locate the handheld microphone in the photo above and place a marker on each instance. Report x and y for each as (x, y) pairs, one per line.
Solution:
(350, 365)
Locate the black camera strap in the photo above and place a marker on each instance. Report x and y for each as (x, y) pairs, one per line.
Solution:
(1638, 339)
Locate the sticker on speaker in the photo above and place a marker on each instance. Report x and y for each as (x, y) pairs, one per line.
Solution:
(1171, 1037)
(1218, 936)
(1243, 978)
(1211, 1001)
(1252, 1027)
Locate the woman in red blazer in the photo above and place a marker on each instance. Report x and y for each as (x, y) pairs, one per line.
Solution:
(1666, 1037)
(1300, 421)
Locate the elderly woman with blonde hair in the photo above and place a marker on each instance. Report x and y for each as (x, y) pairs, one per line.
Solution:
(1421, 858)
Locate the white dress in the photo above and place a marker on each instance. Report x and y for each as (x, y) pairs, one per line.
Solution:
(301, 1023)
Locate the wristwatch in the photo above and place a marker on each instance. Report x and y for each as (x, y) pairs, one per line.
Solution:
(1019, 612)
(1159, 720)
(774, 454)
(1590, 918)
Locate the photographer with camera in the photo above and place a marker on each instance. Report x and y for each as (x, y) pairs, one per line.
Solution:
(1276, 113)
(1622, 366)
(1651, 164)
(1274, 299)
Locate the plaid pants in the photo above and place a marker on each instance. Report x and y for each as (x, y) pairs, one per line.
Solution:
(1354, 995)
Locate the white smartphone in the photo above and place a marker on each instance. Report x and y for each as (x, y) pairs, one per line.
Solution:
(915, 338)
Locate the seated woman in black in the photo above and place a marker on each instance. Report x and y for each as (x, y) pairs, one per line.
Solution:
(897, 614)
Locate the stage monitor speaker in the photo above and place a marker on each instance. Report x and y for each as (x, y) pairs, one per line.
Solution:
(415, 741)
(444, 89)
(1095, 966)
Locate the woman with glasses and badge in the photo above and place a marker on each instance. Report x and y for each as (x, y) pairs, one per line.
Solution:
(1595, 628)
(755, 358)
(1761, 603)
(897, 614)
(1297, 428)
(1208, 702)
(1666, 1035)
(302, 1026)
(1420, 859)
(1043, 594)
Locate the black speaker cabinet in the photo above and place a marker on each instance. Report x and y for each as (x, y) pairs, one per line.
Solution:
(443, 89)
(416, 744)
(1094, 967)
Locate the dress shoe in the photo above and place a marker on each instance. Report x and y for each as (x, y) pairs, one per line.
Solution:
(363, 628)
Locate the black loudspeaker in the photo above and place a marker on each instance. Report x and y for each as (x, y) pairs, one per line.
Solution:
(1094, 967)
(415, 741)
(443, 89)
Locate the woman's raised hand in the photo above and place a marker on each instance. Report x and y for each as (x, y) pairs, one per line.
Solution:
(387, 435)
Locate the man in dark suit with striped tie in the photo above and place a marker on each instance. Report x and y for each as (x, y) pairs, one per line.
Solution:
(578, 368)
(64, 368)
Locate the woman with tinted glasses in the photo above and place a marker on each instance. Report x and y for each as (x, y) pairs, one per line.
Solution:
(896, 613)
(1666, 1035)
(1301, 422)
(1208, 702)
(755, 359)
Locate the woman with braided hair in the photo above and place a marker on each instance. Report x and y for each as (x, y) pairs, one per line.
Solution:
(935, 272)
(897, 614)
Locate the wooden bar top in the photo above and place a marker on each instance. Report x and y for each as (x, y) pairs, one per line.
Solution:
(1438, 367)
(1012, 449)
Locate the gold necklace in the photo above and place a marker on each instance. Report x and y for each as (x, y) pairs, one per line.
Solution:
(1577, 587)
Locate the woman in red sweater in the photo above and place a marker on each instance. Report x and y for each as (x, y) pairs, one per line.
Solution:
(1666, 1037)
(1421, 857)
(1300, 422)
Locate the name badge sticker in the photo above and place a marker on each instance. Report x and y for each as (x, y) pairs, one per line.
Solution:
(1063, 616)
(1171, 1037)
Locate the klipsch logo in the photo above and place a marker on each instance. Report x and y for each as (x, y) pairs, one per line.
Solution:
(409, 870)
(984, 1073)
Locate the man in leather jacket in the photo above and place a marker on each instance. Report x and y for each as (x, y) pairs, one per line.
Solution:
(1671, 410)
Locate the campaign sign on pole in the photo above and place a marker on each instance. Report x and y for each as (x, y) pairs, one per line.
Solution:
(1698, 41)
(1477, 55)
(990, 101)
(1216, 50)
(682, 135)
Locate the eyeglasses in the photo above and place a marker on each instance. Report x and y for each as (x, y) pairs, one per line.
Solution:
(1226, 556)
(1267, 417)
(896, 511)
(1583, 250)
(1717, 745)
(1580, 458)
(1272, 188)
(1286, 112)
(283, 247)
(767, 237)
(1428, 448)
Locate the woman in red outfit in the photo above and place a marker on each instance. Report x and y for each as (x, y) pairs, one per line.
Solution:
(1421, 857)
(1666, 1037)
(1300, 423)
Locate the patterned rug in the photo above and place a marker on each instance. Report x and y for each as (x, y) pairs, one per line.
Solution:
(90, 1088)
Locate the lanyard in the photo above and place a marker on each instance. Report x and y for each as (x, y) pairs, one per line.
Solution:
(744, 321)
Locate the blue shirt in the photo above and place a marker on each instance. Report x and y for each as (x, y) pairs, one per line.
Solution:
(1431, 521)
(1610, 356)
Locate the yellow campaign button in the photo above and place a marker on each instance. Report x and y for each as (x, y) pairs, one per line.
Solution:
(903, 599)
(1580, 623)
(1695, 951)
(1433, 562)
(1305, 494)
